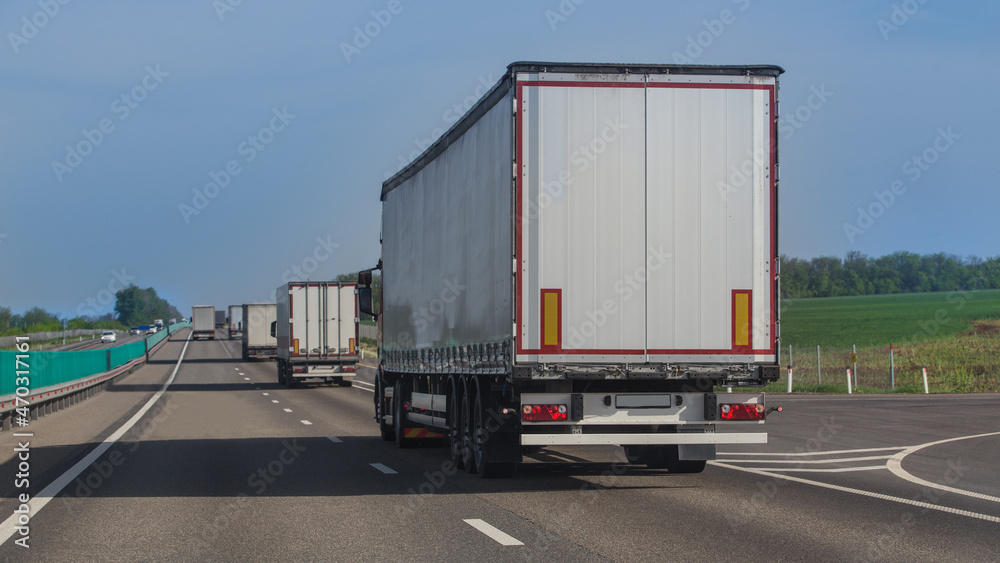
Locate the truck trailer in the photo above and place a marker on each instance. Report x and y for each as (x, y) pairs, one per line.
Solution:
(220, 319)
(235, 320)
(203, 322)
(317, 332)
(258, 342)
(585, 258)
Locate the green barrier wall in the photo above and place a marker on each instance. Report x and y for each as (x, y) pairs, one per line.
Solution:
(54, 368)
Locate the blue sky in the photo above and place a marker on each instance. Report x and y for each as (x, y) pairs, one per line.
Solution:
(896, 118)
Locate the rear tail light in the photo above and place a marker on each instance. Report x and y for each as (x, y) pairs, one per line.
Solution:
(348, 369)
(543, 413)
(741, 411)
(299, 370)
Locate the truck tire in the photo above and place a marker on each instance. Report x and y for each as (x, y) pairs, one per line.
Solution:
(381, 408)
(489, 458)
(290, 380)
(281, 372)
(400, 396)
(455, 440)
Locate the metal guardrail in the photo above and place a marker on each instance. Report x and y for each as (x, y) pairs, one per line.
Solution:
(52, 397)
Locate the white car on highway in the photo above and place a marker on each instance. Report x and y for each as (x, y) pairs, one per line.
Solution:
(108, 336)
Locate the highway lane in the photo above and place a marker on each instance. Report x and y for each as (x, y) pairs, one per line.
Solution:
(232, 466)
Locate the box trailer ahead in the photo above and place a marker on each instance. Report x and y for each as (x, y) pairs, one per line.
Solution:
(220, 319)
(203, 322)
(317, 332)
(581, 260)
(235, 321)
(258, 342)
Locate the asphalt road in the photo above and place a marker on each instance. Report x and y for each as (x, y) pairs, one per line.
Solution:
(226, 465)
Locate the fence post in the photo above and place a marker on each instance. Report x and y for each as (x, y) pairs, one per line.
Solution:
(849, 382)
(892, 368)
(819, 368)
(854, 361)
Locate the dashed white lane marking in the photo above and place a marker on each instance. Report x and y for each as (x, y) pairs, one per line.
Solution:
(496, 535)
(241, 373)
(383, 469)
(306, 422)
(266, 394)
(288, 410)
(335, 439)
(895, 465)
(860, 492)
(274, 400)
(247, 378)
(237, 369)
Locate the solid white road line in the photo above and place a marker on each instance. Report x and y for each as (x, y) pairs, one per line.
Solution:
(306, 422)
(863, 493)
(48, 493)
(363, 385)
(335, 439)
(799, 454)
(494, 534)
(383, 469)
(895, 465)
(807, 461)
(827, 470)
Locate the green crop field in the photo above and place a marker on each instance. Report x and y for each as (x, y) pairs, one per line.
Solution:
(878, 320)
(954, 335)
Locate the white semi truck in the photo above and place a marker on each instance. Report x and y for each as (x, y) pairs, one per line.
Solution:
(316, 331)
(235, 321)
(203, 322)
(584, 259)
(258, 342)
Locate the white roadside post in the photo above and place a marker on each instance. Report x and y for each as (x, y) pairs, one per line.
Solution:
(849, 381)
(926, 390)
(789, 368)
(892, 368)
(819, 369)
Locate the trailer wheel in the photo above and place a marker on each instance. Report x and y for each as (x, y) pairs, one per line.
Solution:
(290, 380)
(400, 396)
(281, 372)
(455, 438)
(487, 445)
(381, 408)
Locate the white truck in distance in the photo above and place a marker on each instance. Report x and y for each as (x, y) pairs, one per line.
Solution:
(581, 260)
(203, 322)
(235, 320)
(317, 332)
(258, 342)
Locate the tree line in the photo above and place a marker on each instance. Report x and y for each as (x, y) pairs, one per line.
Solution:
(133, 306)
(899, 272)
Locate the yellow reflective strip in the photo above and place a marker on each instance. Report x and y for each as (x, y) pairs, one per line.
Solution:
(551, 312)
(742, 319)
(350, 345)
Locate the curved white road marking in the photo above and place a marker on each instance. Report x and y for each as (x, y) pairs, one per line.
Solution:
(895, 465)
(832, 452)
(860, 492)
(48, 493)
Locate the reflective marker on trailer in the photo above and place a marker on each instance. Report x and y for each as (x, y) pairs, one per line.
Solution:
(543, 413)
